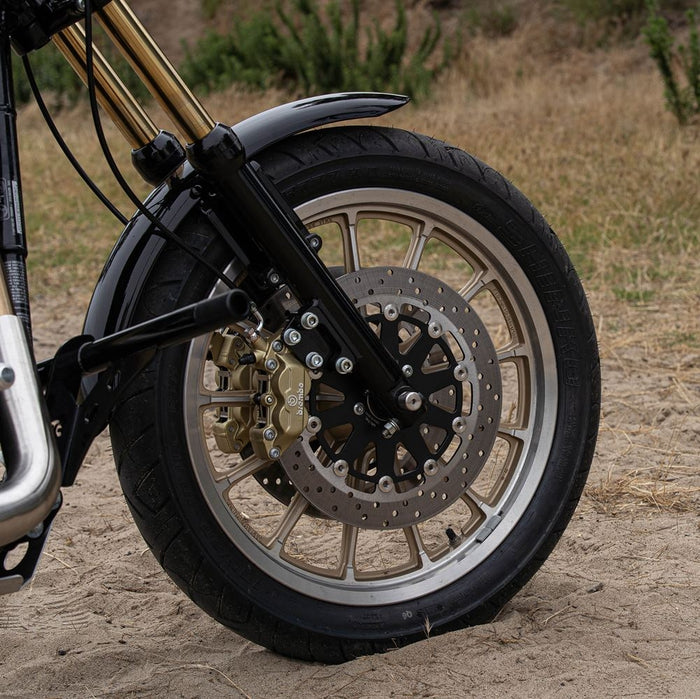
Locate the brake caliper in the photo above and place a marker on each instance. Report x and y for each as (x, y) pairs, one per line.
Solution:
(279, 384)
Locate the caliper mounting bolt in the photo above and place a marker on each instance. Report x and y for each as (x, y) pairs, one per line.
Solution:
(344, 365)
(314, 360)
(309, 320)
(292, 337)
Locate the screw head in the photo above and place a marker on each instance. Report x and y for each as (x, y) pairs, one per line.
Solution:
(269, 434)
(309, 320)
(358, 409)
(434, 330)
(344, 365)
(291, 337)
(269, 399)
(275, 453)
(411, 400)
(459, 425)
(277, 346)
(407, 370)
(314, 425)
(271, 364)
(460, 372)
(341, 468)
(386, 484)
(430, 467)
(314, 360)
(391, 312)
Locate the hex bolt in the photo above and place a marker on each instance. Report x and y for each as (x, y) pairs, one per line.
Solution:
(407, 370)
(344, 365)
(269, 434)
(390, 429)
(459, 425)
(291, 337)
(430, 467)
(434, 330)
(341, 468)
(391, 312)
(460, 373)
(275, 453)
(277, 346)
(271, 364)
(309, 320)
(314, 360)
(386, 484)
(358, 409)
(274, 278)
(314, 425)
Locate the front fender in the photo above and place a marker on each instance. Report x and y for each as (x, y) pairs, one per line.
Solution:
(121, 283)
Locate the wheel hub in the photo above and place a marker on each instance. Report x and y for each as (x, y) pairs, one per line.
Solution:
(371, 470)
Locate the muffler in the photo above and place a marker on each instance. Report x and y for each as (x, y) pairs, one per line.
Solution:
(32, 477)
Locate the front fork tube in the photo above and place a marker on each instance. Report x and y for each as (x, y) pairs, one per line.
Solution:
(250, 198)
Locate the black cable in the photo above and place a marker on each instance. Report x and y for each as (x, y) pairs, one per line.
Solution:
(94, 108)
(64, 146)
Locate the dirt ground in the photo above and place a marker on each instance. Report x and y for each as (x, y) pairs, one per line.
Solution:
(614, 612)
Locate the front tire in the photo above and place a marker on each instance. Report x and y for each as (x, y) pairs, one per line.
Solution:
(269, 556)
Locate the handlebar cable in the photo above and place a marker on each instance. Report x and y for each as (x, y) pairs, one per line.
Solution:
(50, 122)
(161, 228)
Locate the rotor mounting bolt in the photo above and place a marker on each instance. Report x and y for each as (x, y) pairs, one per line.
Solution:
(386, 484)
(271, 364)
(291, 337)
(344, 365)
(314, 360)
(341, 468)
(275, 453)
(390, 429)
(358, 409)
(407, 370)
(460, 372)
(459, 425)
(391, 312)
(309, 320)
(411, 400)
(434, 330)
(269, 434)
(314, 425)
(430, 467)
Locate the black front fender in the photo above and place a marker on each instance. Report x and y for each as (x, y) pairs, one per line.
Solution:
(121, 283)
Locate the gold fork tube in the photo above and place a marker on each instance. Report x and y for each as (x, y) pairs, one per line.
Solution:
(112, 94)
(157, 73)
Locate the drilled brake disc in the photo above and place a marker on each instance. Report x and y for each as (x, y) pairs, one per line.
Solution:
(359, 465)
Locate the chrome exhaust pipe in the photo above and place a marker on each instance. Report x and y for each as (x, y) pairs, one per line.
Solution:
(32, 465)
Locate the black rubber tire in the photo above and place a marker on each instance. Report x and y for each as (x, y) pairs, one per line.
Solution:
(153, 461)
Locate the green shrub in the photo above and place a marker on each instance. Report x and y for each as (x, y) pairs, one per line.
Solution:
(677, 64)
(299, 47)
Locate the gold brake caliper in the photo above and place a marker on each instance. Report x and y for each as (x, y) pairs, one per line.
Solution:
(276, 379)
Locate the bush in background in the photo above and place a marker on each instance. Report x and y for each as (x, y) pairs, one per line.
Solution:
(678, 64)
(299, 47)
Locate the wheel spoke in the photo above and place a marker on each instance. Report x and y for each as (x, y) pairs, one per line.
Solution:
(415, 247)
(418, 558)
(293, 514)
(351, 250)
(346, 568)
(475, 285)
(239, 472)
(220, 399)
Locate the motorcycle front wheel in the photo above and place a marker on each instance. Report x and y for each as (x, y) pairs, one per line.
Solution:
(315, 556)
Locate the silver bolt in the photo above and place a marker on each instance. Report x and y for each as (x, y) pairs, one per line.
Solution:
(275, 453)
(269, 399)
(391, 312)
(277, 346)
(309, 320)
(411, 400)
(386, 484)
(7, 377)
(358, 409)
(390, 429)
(273, 278)
(460, 372)
(80, 5)
(292, 337)
(407, 370)
(430, 467)
(459, 425)
(314, 425)
(269, 434)
(434, 330)
(314, 360)
(237, 446)
(341, 468)
(271, 364)
(344, 365)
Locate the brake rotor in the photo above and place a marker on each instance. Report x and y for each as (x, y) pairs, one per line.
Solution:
(359, 465)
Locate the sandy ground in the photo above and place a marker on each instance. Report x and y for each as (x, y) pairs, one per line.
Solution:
(613, 612)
